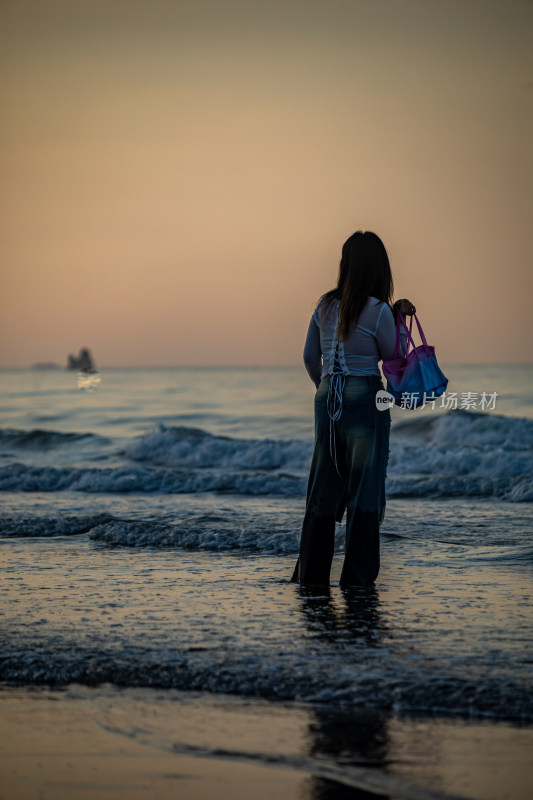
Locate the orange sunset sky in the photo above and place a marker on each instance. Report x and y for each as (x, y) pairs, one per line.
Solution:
(178, 176)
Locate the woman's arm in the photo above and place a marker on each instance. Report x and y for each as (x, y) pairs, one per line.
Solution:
(313, 353)
(386, 335)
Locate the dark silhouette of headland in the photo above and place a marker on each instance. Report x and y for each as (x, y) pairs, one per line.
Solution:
(82, 362)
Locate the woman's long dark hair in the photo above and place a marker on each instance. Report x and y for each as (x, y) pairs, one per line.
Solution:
(364, 272)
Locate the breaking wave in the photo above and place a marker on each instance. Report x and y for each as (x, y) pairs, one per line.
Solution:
(24, 478)
(457, 454)
(288, 678)
(229, 530)
(192, 447)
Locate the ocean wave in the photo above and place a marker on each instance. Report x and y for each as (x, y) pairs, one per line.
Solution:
(513, 490)
(460, 427)
(226, 531)
(462, 454)
(193, 447)
(209, 532)
(287, 678)
(240, 530)
(457, 454)
(47, 526)
(24, 478)
(40, 438)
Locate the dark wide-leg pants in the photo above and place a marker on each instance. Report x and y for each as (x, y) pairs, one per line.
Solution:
(356, 485)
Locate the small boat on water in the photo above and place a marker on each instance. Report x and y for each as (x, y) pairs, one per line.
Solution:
(82, 362)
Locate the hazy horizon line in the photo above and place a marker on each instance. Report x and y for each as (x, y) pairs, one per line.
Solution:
(244, 366)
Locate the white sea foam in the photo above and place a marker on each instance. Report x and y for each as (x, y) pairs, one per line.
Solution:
(191, 447)
(462, 454)
(449, 455)
(214, 534)
(23, 478)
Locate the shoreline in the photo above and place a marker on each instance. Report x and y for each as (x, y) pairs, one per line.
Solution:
(113, 743)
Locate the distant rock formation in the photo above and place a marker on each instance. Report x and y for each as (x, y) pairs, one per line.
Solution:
(83, 362)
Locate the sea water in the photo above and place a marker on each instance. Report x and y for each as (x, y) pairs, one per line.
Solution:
(149, 530)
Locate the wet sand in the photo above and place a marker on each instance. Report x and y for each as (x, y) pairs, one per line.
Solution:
(417, 689)
(145, 743)
(55, 750)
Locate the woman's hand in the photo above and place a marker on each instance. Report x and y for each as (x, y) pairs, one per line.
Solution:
(405, 307)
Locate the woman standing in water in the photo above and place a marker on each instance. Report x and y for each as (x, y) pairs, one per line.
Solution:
(352, 328)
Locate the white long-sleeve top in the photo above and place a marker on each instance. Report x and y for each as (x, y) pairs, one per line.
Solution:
(371, 340)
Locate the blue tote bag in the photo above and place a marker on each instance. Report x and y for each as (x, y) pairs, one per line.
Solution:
(415, 377)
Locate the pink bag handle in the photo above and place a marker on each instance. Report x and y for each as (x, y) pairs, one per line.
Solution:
(401, 321)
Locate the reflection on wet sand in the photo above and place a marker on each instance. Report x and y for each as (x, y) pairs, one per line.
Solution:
(142, 742)
(356, 620)
(347, 735)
